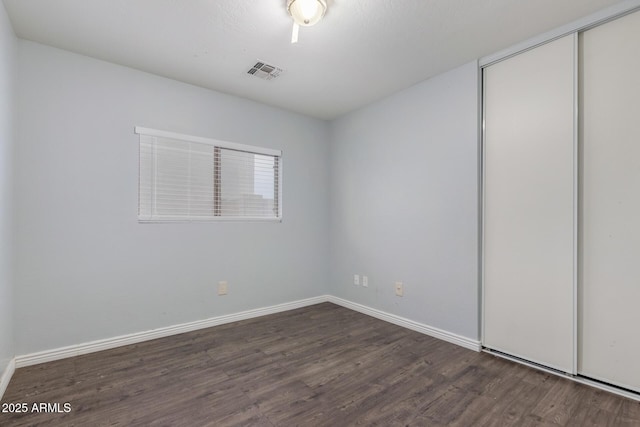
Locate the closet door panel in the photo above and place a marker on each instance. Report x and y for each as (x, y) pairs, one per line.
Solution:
(528, 283)
(610, 209)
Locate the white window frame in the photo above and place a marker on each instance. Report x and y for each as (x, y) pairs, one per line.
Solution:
(219, 144)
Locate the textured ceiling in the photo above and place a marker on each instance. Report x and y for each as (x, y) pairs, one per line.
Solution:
(363, 50)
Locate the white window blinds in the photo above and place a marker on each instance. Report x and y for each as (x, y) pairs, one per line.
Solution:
(187, 178)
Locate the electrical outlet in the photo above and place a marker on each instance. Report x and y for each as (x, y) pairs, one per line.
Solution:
(399, 289)
(365, 281)
(222, 288)
(356, 279)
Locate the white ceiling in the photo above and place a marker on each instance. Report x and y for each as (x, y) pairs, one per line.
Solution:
(363, 50)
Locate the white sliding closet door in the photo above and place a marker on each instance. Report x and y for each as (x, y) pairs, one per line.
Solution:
(610, 209)
(529, 222)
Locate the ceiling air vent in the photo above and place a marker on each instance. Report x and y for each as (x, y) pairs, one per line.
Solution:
(265, 71)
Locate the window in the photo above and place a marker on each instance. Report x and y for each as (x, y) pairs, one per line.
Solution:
(188, 178)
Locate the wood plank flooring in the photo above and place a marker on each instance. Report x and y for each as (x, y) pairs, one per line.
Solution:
(322, 365)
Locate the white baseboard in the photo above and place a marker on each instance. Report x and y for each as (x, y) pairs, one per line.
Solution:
(109, 343)
(409, 324)
(106, 344)
(6, 376)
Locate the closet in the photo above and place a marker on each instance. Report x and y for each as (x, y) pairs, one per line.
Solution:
(561, 204)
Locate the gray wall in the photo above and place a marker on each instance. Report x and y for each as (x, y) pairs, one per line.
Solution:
(389, 191)
(7, 55)
(404, 202)
(85, 268)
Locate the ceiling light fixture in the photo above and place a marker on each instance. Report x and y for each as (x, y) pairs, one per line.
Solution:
(305, 13)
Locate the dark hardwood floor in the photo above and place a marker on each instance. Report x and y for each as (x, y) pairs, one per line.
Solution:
(316, 366)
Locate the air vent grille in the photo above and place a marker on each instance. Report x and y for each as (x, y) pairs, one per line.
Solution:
(265, 71)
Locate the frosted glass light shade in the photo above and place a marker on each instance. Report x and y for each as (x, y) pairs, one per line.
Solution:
(307, 12)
